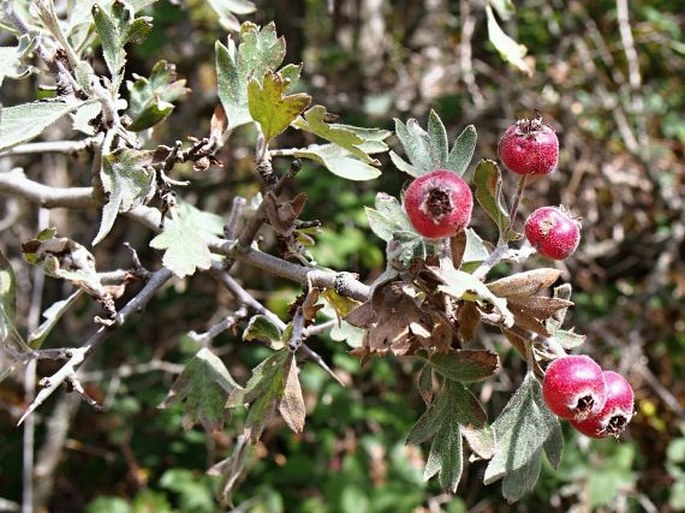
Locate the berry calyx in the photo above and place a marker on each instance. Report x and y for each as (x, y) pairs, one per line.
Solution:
(529, 147)
(553, 232)
(438, 204)
(574, 387)
(617, 412)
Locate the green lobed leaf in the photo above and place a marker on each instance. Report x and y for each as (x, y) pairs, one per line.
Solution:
(481, 439)
(83, 117)
(8, 297)
(227, 10)
(446, 457)
(437, 137)
(475, 250)
(22, 123)
(454, 406)
(422, 152)
(388, 217)
(128, 182)
(465, 365)
(359, 141)
(52, 316)
(117, 26)
(260, 327)
(568, 339)
(271, 107)
(258, 52)
(406, 246)
(150, 99)
(12, 63)
(9, 335)
(524, 430)
(427, 150)
(273, 386)
(185, 239)
(338, 161)
(462, 285)
(488, 182)
(203, 387)
(509, 50)
(462, 151)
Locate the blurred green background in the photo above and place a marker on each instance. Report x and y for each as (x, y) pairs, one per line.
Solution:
(617, 100)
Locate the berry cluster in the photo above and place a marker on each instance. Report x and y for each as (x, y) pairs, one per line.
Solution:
(598, 403)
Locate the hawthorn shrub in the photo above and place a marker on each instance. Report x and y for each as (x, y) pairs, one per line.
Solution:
(429, 307)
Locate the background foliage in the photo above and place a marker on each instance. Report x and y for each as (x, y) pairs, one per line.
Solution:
(616, 100)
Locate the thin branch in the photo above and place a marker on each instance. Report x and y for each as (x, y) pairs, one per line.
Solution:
(79, 354)
(126, 371)
(244, 297)
(48, 147)
(250, 231)
(15, 182)
(344, 283)
(204, 339)
(316, 358)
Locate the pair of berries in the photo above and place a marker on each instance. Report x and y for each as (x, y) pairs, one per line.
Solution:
(598, 403)
(439, 203)
(531, 147)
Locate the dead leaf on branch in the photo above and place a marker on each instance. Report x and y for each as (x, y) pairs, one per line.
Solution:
(525, 284)
(468, 319)
(396, 323)
(282, 215)
(273, 387)
(291, 406)
(63, 258)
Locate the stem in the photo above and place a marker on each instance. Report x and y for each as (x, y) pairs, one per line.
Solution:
(49, 17)
(515, 204)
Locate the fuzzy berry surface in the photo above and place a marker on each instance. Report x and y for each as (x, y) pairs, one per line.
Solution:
(438, 204)
(612, 420)
(553, 232)
(529, 147)
(574, 387)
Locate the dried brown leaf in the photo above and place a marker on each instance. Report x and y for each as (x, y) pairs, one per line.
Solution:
(468, 318)
(218, 123)
(524, 320)
(291, 407)
(525, 284)
(362, 316)
(458, 248)
(310, 305)
(540, 307)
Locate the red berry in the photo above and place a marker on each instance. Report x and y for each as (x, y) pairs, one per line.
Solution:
(439, 204)
(529, 147)
(617, 411)
(573, 387)
(553, 232)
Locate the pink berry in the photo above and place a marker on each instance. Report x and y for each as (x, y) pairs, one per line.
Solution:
(574, 388)
(553, 232)
(438, 204)
(529, 147)
(617, 411)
